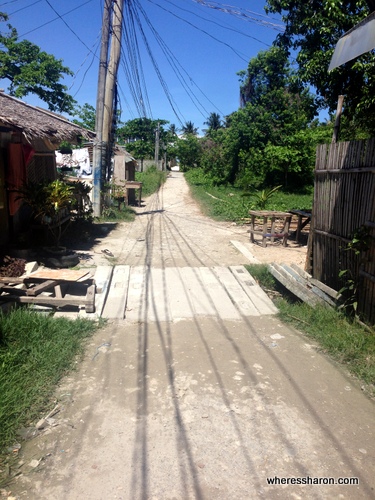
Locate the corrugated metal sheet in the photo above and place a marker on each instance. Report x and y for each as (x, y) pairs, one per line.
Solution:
(357, 41)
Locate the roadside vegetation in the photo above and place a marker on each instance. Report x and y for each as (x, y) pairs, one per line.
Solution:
(36, 351)
(115, 209)
(151, 180)
(227, 202)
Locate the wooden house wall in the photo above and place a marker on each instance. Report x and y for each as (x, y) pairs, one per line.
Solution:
(344, 202)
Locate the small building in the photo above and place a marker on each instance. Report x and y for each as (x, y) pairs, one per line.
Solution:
(29, 136)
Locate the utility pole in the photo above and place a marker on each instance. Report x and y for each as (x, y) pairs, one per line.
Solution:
(114, 61)
(105, 95)
(157, 145)
(98, 153)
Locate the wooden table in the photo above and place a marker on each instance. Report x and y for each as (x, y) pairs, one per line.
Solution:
(270, 222)
(304, 217)
(48, 286)
(133, 185)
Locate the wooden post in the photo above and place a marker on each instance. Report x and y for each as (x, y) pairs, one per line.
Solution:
(336, 129)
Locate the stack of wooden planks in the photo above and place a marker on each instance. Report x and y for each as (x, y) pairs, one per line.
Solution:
(304, 286)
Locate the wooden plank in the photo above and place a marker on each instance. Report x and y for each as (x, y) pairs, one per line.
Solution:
(316, 283)
(241, 247)
(37, 289)
(9, 279)
(346, 170)
(294, 286)
(43, 300)
(326, 289)
(59, 274)
(238, 296)
(300, 271)
(115, 303)
(58, 292)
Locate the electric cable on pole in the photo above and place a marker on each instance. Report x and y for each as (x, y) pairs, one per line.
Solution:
(106, 95)
(111, 82)
(98, 146)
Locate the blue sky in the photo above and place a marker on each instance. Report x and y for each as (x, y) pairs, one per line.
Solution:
(207, 46)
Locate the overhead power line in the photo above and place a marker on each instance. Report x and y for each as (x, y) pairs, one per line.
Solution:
(243, 14)
(226, 27)
(67, 25)
(201, 30)
(59, 17)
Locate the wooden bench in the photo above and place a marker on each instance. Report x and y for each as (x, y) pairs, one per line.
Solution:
(271, 222)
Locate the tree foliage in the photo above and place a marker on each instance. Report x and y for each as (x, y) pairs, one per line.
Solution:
(213, 122)
(138, 136)
(86, 116)
(189, 129)
(271, 139)
(31, 70)
(312, 29)
(189, 151)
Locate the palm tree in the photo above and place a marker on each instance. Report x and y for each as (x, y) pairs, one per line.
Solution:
(172, 129)
(189, 129)
(214, 122)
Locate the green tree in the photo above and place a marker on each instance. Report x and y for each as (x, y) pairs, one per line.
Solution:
(189, 129)
(271, 139)
(86, 116)
(214, 159)
(31, 70)
(275, 107)
(138, 136)
(188, 151)
(213, 122)
(313, 29)
(172, 129)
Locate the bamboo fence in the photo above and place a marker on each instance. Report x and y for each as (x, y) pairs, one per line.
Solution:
(344, 203)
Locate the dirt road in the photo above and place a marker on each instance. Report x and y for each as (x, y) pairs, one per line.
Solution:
(200, 407)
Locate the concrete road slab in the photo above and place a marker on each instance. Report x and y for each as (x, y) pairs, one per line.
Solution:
(117, 293)
(172, 294)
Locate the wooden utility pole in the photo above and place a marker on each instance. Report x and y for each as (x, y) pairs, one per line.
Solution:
(105, 95)
(98, 153)
(157, 145)
(114, 61)
(336, 128)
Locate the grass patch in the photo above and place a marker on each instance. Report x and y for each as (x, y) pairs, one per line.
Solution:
(151, 180)
(114, 213)
(231, 203)
(342, 338)
(36, 351)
